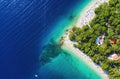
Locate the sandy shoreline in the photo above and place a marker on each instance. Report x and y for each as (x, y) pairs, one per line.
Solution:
(69, 45)
(84, 18)
(88, 13)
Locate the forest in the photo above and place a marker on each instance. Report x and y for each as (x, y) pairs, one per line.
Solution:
(106, 22)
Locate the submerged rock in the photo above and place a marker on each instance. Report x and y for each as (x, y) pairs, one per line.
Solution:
(51, 50)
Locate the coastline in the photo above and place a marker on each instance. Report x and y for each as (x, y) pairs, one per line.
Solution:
(84, 18)
(88, 13)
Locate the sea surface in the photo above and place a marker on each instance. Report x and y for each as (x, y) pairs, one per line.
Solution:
(26, 26)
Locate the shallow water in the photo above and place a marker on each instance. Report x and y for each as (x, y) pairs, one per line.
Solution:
(25, 27)
(65, 65)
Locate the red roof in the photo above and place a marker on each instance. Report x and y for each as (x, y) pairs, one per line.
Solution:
(112, 41)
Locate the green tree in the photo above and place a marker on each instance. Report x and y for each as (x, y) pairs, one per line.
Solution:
(104, 66)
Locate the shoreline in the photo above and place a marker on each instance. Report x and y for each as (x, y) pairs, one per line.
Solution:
(88, 13)
(84, 18)
(68, 45)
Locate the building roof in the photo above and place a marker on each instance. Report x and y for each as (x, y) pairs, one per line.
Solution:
(112, 41)
(100, 39)
(114, 57)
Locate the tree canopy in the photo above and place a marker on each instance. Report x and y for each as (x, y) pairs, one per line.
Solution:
(106, 21)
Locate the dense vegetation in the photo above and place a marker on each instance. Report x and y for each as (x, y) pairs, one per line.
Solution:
(107, 21)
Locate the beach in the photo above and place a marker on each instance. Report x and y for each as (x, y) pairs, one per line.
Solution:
(88, 13)
(84, 18)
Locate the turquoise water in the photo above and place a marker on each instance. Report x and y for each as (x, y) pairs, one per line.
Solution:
(65, 65)
(64, 22)
(25, 26)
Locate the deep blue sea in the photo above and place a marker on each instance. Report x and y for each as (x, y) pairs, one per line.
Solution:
(25, 27)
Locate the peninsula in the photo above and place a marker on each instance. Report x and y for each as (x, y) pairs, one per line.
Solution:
(96, 37)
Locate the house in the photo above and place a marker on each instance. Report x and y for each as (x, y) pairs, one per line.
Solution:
(114, 57)
(112, 41)
(100, 39)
